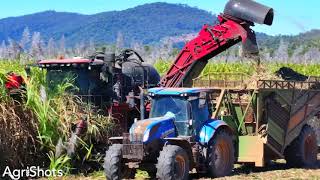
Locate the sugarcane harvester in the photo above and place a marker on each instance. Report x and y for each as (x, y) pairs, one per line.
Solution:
(110, 83)
(209, 129)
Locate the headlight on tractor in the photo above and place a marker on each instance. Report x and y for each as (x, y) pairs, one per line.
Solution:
(146, 135)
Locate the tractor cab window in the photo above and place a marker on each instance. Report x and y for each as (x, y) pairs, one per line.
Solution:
(176, 105)
(200, 111)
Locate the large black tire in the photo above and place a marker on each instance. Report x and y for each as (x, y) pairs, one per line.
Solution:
(302, 152)
(114, 167)
(221, 155)
(173, 164)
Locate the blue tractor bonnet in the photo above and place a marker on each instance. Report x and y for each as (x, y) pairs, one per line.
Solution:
(154, 128)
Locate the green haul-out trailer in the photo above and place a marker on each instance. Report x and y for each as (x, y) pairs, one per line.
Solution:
(269, 118)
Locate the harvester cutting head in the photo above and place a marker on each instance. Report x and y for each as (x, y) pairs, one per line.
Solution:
(250, 11)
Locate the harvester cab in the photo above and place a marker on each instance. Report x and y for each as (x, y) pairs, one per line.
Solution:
(85, 73)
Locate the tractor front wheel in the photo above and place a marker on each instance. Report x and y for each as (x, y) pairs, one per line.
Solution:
(302, 152)
(114, 167)
(221, 155)
(173, 164)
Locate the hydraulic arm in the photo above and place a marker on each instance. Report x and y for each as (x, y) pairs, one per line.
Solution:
(211, 41)
(233, 27)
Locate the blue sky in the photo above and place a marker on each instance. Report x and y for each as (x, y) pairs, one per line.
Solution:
(292, 16)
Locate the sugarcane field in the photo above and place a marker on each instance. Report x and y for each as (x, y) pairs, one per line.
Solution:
(165, 90)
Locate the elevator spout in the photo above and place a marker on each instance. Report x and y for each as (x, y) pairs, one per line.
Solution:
(249, 10)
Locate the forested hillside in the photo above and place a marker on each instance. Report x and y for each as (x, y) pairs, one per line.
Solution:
(156, 30)
(147, 24)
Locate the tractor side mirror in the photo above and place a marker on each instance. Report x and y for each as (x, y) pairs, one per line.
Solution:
(202, 100)
(190, 123)
(202, 103)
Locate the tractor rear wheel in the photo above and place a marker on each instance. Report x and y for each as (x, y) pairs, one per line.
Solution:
(302, 152)
(221, 155)
(173, 164)
(114, 167)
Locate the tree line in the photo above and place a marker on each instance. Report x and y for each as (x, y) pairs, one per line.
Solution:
(31, 46)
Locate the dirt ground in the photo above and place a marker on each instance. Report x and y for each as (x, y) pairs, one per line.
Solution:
(276, 170)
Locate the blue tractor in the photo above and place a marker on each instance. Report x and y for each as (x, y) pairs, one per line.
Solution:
(179, 135)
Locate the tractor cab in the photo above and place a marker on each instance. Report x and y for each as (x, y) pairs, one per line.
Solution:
(188, 105)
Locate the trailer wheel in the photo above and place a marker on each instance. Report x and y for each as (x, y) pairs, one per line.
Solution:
(173, 164)
(302, 152)
(221, 155)
(114, 167)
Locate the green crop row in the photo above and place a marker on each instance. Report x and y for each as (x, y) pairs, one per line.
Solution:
(245, 68)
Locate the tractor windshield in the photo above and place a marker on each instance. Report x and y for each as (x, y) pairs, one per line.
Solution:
(176, 105)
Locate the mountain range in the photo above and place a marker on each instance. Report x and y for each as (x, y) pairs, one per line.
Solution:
(146, 24)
